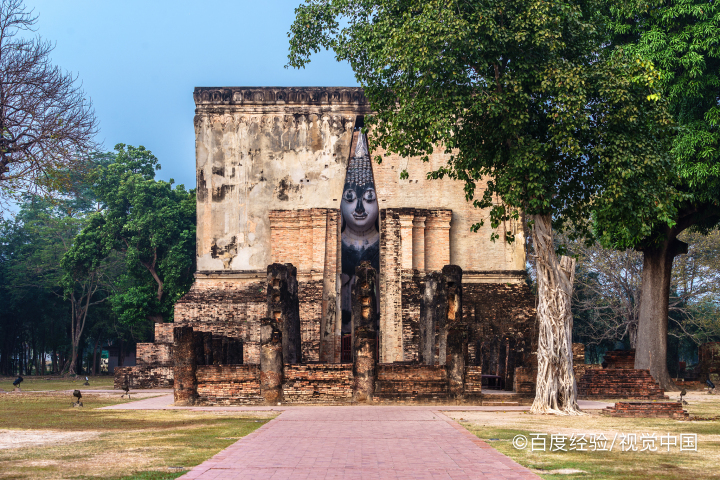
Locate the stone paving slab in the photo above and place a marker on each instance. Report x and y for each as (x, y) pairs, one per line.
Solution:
(360, 442)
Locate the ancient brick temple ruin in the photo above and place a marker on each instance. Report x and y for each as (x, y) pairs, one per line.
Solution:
(323, 276)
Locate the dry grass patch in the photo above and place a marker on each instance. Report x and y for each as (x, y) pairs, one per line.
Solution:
(112, 444)
(499, 428)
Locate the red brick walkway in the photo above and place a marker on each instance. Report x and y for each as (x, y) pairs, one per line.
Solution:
(360, 443)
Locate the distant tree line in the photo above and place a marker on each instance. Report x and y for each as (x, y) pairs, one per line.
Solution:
(98, 264)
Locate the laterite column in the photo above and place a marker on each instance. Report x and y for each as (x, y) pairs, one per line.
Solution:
(271, 361)
(284, 308)
(456, 330)
(364, 321)
(184, 366)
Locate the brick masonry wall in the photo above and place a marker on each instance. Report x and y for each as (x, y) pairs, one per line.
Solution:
(154, 354)
(619, 383)
(141, 377)
(646, 410)
(226, 308)
(164, 332)
(473, 380)
(310, 296)
(410, 315)
(504, 310)
(410, 382)
(240, 384)
(318, 383)
(228, 384)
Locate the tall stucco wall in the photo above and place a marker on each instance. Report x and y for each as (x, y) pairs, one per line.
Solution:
(263, 149)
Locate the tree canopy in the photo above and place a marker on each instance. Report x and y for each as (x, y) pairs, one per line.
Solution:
(534, 113)
(680, 37)
(151, 223)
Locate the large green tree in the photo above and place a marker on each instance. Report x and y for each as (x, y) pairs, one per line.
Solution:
(680, 37)
(152, 224)
(520, 94)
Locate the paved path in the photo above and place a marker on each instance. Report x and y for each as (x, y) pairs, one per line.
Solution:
(165, 402)
(357, 442)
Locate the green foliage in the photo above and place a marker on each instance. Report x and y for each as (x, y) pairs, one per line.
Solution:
(151, 223)
(520, 93)
(680, 37)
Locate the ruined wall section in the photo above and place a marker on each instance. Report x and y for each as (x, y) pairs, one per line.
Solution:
(227, 306)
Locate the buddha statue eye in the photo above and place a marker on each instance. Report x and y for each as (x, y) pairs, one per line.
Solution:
(369, 195)
(349, 195)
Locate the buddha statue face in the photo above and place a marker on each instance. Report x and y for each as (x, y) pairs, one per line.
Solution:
(359, 208)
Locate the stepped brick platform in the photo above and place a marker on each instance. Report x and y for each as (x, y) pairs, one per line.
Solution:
(619, 383)
(647, 410)
(620, 359)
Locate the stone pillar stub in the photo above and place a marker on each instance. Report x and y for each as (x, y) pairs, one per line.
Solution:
(271, 361)
(430, 311)
(184, 366)
(365, 321)
(457, 332)
(284, 308)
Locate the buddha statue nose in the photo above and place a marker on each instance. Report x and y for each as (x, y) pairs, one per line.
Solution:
(360, 208)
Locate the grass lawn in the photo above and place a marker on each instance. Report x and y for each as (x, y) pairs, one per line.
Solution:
(49, 439)
(44, 383)
(499, 428)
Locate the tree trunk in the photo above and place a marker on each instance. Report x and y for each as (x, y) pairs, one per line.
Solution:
(556, 391)
(651, 349)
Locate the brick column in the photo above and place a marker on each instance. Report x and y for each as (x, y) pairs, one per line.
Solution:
(184, 366)
(406, 241)
(271, 361)
(456, 345)
(391, 349)
(437, 239)
(330, 296)
(418, 244)
(364, 320)
(284, 308)
(319, 228)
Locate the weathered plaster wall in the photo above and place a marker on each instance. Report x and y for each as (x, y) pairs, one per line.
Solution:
(262, 149)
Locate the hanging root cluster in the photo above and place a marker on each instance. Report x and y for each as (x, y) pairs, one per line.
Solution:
(556, 390)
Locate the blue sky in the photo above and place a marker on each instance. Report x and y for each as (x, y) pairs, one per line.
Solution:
(140, 60)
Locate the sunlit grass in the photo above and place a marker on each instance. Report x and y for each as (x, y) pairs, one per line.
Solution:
(499, 428)
(124, 444)
(44, 383)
